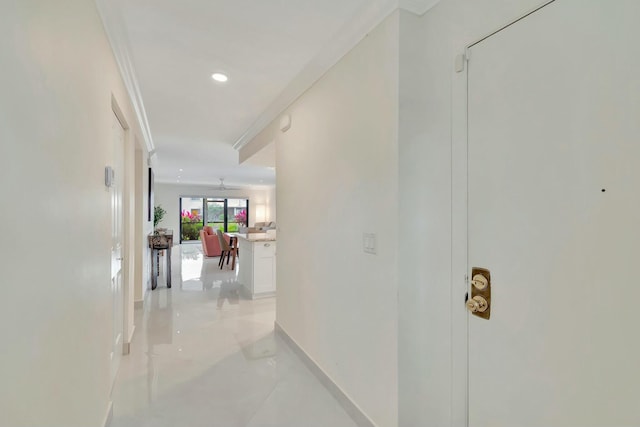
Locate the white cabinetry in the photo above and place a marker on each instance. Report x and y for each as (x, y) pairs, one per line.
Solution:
(257, 272)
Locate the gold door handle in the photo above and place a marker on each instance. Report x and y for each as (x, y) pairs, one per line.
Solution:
(477, 304)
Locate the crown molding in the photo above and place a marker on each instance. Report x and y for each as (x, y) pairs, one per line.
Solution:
(117, 35)
(363, 21)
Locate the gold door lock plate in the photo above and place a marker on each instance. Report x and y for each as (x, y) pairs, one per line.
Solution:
(479, 304)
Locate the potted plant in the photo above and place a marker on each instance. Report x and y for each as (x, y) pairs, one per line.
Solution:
(241, 220)
(158, 215)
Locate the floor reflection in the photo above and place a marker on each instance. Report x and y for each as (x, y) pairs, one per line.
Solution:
(200, 273)
(202, 355)
(159, 331)
(229, 291)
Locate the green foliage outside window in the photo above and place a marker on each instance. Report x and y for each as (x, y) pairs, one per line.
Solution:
(191, 226)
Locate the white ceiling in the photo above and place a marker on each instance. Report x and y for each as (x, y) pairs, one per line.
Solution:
(272, 50)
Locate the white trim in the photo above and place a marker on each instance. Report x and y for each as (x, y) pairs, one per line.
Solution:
(459, 317)
(118, 112)
(139, 304)
(116, 34)
(363, 21)
(350, 407)
(109, 415)
(128, 196)
(126, 346)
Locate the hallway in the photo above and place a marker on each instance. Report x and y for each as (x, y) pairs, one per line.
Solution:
(203, 355)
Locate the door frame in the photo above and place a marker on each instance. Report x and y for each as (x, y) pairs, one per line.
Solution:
(459, 227)
(128, 221)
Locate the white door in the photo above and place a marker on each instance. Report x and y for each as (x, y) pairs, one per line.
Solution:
(116, 245)
(554, 214)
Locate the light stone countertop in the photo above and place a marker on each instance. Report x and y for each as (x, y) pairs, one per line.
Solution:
(254, 237)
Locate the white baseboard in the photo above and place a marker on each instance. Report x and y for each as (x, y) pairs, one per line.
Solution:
(126, 346)
(140, 303)
(354, 411)
(109, 415)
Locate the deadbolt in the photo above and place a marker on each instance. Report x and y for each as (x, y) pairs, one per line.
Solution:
(480, 282)
(477, 305)
(479, 302)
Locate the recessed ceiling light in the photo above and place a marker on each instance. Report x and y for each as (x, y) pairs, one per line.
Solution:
(219, 77)
(180, 170)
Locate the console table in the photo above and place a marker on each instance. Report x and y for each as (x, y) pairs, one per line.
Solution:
(158, 241)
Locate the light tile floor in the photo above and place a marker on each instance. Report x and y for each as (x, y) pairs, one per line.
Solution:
(202, 355)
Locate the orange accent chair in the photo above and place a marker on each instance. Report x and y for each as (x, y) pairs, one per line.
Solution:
(210, 244)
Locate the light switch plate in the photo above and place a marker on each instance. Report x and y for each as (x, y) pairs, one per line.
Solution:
(108, 176)
(369, 243)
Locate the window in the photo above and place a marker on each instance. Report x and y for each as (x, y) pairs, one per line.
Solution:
(220, 214)
(191, 221)
(235, 210)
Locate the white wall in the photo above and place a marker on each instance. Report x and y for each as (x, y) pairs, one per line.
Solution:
(429, 45)
(168, 196)
(271, 205)
(337, 178)
(59, 76)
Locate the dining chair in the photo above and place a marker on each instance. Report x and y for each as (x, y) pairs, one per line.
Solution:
(227, 250)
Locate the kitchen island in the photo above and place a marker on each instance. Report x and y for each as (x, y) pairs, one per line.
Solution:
(257, 273)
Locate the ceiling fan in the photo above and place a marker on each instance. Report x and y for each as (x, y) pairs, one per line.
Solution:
(223, 186)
